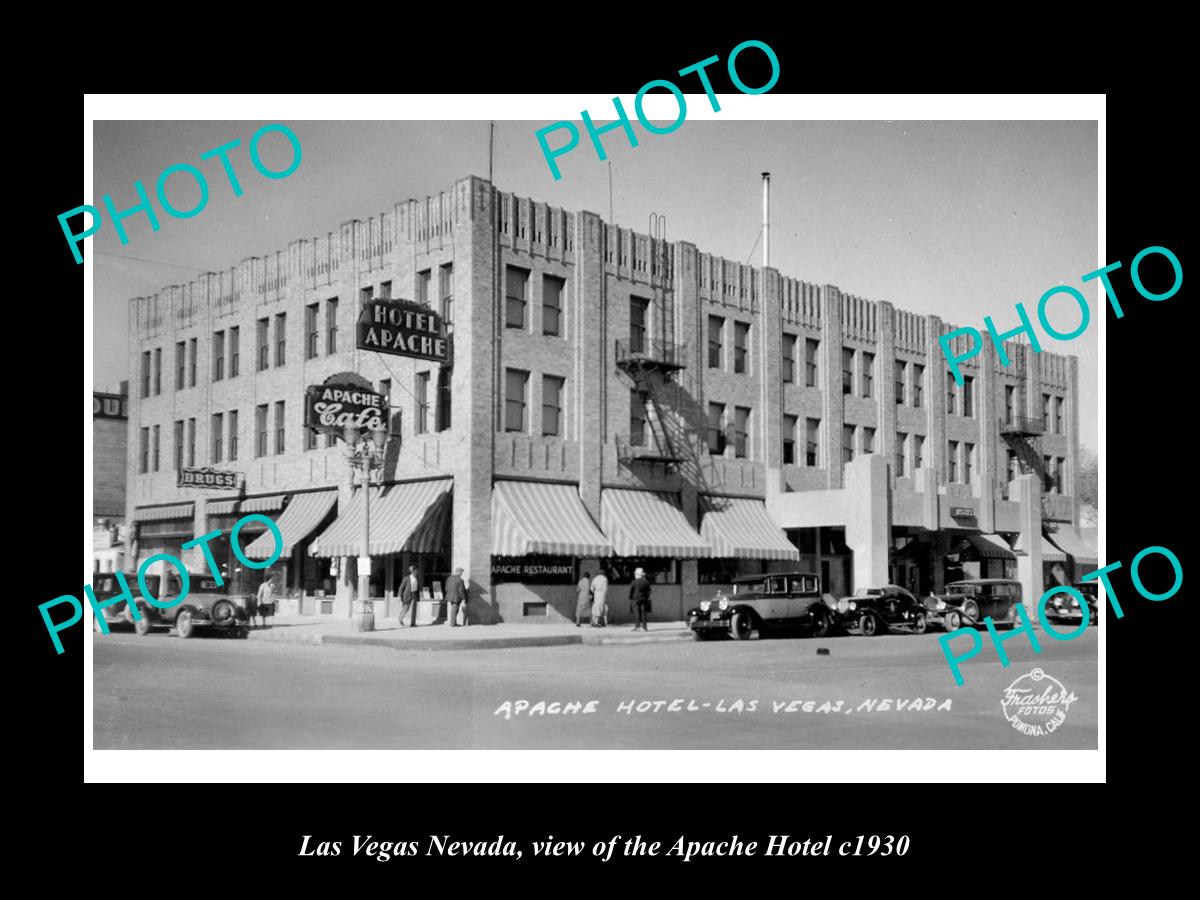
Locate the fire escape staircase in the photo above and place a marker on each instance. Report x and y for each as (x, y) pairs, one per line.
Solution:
(1023, 435)
(653, 367)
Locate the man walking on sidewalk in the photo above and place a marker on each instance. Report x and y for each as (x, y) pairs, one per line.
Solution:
(456, 596)
(639, 598)
(410, 592)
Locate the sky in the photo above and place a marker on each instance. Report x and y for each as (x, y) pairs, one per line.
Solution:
(957, 219)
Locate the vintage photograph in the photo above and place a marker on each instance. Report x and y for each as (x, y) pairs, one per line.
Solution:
(414, 446)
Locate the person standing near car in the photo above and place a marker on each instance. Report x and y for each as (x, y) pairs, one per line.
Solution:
(639, 598)
(266, 600)
(583, 602)
(600, 600)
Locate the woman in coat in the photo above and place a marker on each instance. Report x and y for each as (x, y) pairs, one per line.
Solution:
(583, 603)
(600, 600)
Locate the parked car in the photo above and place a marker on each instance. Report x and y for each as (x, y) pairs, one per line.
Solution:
(105, 586)
(874, 610)
(970, 602)
(759, 602)
(1065, 609)
(206, 607)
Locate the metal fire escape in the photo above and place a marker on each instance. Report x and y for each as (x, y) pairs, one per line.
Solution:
(1022, 435)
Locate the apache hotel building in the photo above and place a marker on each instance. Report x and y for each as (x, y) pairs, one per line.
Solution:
(611, 397)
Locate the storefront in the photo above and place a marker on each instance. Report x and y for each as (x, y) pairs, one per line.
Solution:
(222, 514)
(162, 529)
(977, 555)
(306, 581)
(1081, 558)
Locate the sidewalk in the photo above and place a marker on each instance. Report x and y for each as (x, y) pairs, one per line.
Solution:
(327, 630)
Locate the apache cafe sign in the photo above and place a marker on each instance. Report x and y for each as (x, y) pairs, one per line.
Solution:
(403, 329)
(344, 399)
(190, 477)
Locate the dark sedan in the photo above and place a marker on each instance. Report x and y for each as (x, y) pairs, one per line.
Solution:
(875, 610)
(1064, 609)
(206, 607)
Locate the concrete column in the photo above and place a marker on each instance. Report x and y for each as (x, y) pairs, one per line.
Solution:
(766, 345)
(1069, 482)
(194, 557)
(688, 406)
(993, 458)
(936, 451)
(1027, 490)
(833, 410)
(867, 522)
(885, 385)
(594, 355)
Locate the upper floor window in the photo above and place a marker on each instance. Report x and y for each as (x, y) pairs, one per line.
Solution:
(312, 331)
(811, 350)
(789, 358)
(638, 309)
(516, 296)
(847, 370)
(552, 405)
(868, 374)
(716, 328)
(552, 293)
(218, 354)
(280, 339)
(741, 341)
(516, 383)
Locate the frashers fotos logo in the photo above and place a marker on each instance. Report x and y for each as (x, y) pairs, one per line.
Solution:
(1036, 703)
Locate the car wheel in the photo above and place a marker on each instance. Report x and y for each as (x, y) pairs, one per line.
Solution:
(971, 610)
(741, 626)
(953, 621)
(868, 625)
(821, 623)
(919, 624)
(142, 625)
(185, 627)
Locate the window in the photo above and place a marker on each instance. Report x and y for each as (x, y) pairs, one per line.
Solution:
(515, 383)
(812, 454)
(422, 397)
(968, 462)
(385, 290)
(1062, 473)
(741, 341)
(443, 408)
(144, 451)
(192, 362)
(952, 462)
(1047, 407)
(901, 440)
(868, 437)
(552, 400)
(716, 428)
(847, 443)
(716, 325)
(1058, 415)
(918, 454)
(517, 286)
(178, 444)
(811, 349)
(637, 324)
(264, 344)
(789, 439)
(918, 385)
(191, 442)
(260, 430)
(157, 371)
(233, 435)
(218, 355)
(424, 283)
(145, 374)
(552, 291)
(330, 441)
(637, 418)
(868, 374)
(216, 433)
(847, 371)
(951, 393)
(741, 432)
(366, 295)
(1048, 479)
(1010, 403)
(310, 439)
(279, 427)
(331, 314)
(901, 365)
(280, 339)
(235, 334)
(311, 331)
(1014, 465)
(789, 358)
(968, 397)
(180, 364)
(155, 444)
(447, 272)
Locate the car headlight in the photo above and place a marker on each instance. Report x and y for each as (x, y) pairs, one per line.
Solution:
(852, 606)
(704, 605)
(842, 606)
(941, 604)
(723, 604)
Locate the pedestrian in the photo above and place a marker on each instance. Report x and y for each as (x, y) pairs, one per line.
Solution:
(266, 600)
(639, 598)
(410, 592)
(456, 596)
(252, 607)
(600, 600)
(583, 605)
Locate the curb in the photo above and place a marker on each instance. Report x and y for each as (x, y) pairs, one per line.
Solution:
(499, 643)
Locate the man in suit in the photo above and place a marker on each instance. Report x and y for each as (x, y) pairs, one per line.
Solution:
(456, 596)
(410, 593)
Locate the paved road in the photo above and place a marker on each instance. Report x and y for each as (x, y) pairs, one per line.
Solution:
(159, 692)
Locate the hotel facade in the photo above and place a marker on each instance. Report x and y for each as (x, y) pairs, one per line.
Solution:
(611, 398)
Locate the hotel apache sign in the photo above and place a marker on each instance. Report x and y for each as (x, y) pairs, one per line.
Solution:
(403, 329)
(207, 478)
(344, 399)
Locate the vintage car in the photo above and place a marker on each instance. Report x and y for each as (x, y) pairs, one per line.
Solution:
(968, 603)
(874, 610)
(105, 586)
(759, 602)
(206, 607)
(1065, 609)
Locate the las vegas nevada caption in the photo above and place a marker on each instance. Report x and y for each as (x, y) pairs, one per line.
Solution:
(439, 435)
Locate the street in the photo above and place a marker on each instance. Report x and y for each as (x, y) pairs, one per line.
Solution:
(159, 692)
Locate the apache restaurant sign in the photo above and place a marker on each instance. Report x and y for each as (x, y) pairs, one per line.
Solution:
(403, 329)
(330, 407)
(214, 478)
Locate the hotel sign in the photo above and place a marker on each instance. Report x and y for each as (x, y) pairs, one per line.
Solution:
(403, 329)
(207, 478)
(346, 399)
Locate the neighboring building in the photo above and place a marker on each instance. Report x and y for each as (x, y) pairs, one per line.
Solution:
(110, 428)
(611, 396)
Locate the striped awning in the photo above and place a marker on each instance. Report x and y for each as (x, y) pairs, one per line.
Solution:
(991, 546)
(1067, 540)
(162, 513)
(1050, 553)
(533, 517)
(739, 528)
(408, 518)
(303, 514)
(649, 523)
(227, 507)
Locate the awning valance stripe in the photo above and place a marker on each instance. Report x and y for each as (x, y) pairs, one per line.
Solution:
(1050, 553)
(303, 514)
(991, 546)
(535, 517)
(1069, 541)
(245, 505)
(649, 523)
(740, 528)
(398, 519)
(161, 513)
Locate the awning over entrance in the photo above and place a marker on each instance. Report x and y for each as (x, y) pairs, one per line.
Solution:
(162, 513)
(741, 529)
(1050, 553)
(533, 517)
(409, 517)
(227, 507)
(649, 523)
(991, 546)
(1066, 539)
(303, 514)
